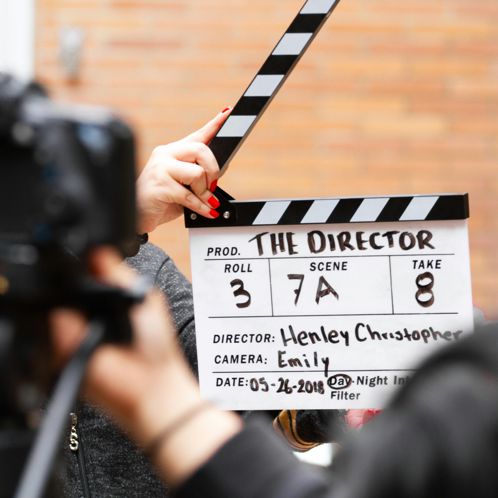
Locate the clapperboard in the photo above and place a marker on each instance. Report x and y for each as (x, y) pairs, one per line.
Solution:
(321, 303)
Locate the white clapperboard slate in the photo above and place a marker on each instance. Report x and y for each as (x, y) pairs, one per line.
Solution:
(321, 303)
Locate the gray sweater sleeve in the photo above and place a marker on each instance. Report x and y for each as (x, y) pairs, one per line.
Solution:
(153, 261)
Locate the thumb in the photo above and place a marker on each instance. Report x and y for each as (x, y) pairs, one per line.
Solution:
(105, 266)
(208, 132)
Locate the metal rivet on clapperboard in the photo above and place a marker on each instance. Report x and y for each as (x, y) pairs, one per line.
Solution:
(193, 216)
(226, 215)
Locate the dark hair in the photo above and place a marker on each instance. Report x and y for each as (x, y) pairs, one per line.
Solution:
(439, 437)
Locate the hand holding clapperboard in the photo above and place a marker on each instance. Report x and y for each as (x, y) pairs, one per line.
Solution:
(321, 303)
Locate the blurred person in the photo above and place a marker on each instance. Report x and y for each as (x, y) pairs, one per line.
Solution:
(438, 437)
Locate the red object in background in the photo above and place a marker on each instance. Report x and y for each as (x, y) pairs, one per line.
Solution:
(357, 418)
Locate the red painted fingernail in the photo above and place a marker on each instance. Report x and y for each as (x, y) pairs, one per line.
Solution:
(214, 213)
(225, 110)
(213, 202)
(213, 186)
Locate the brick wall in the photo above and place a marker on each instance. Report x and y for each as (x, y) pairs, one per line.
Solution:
(394, 97)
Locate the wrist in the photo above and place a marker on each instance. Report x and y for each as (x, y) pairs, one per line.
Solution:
(182, 431)
(195, 443)
(170, 391)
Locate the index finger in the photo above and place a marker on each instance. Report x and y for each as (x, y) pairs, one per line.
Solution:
(208, 131)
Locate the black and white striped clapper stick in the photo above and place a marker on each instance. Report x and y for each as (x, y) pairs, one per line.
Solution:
(346, 210)
(269, 79)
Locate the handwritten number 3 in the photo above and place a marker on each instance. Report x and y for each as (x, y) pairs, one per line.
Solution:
(425, 289)
(241, 292)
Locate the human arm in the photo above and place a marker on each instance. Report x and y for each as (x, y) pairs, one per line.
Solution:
(148, 387)
(153, 261)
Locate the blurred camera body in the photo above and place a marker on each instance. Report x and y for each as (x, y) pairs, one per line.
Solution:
(67, 182)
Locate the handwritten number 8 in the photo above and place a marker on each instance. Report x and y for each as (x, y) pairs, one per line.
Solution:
(425, 289)
(241, 292)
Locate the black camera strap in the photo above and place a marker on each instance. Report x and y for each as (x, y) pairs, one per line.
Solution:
(36, 473)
